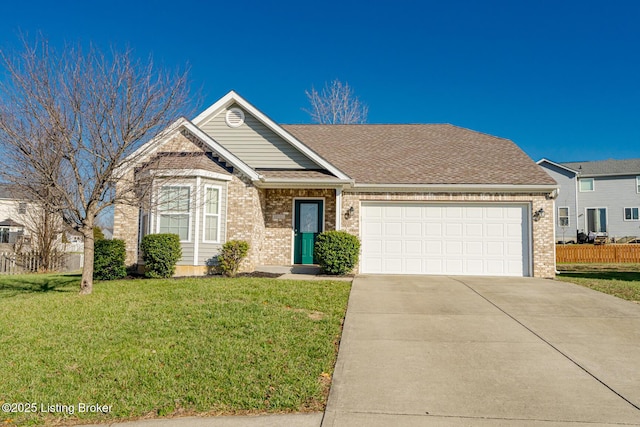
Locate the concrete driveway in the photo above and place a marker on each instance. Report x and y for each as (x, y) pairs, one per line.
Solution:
(453, 351)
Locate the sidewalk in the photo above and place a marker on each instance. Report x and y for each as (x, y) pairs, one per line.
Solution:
(294, 420)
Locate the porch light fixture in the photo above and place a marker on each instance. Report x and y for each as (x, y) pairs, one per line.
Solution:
(348, 213)
(538, 214)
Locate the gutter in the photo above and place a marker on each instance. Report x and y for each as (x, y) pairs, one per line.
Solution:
(457, 188)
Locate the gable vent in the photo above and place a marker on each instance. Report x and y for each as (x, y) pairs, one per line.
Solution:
(234, 117)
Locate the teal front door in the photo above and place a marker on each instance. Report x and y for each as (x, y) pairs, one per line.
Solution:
(307, 226)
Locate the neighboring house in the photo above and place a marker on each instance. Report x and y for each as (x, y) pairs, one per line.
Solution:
(423, 199)
(602, 197)
(13, 215)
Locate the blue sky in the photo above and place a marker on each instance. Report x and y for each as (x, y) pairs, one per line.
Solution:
(560, 78)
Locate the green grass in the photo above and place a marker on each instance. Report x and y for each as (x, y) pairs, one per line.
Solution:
(167, 347)
(620, 280)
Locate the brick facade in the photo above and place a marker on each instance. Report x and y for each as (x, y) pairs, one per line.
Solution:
(264, 217)
(278, 219)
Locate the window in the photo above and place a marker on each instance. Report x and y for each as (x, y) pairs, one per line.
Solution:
(4, 235)
(22, 208)
(631, 214)
(563, 217)
(211, 214)
(597, 220)
(175, 214)
(586, 184)
(637, 184)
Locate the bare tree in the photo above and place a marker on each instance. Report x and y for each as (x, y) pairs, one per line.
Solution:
(69, 119)
(336, 104)
(45, 231)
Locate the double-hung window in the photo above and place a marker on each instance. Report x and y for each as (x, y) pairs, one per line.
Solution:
(637, 184)
(563, 217)
(174, 211)
(586, 184)
(631, 214)
(211, 214)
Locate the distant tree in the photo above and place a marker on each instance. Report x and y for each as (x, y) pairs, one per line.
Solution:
(336, 104)
(71, 119)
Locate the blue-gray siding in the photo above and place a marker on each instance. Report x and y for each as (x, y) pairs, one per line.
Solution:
(256, 144)
(615, 194)
(566, 199)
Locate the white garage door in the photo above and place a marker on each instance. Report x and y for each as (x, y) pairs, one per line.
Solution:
(465, 239)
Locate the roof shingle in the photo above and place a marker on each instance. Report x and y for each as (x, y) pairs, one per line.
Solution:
(420, 154)
(606, 167)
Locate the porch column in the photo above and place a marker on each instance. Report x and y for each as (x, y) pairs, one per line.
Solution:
(338, 208)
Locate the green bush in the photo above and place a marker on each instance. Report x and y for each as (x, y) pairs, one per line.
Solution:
(108, 261)
(161, 253)
(231, 255)
(337, 252)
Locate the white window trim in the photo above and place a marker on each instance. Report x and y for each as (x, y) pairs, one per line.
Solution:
(624, 214)
(190, 213)
(568, 216)
(593, 185)
(638, 184)
(205, 214)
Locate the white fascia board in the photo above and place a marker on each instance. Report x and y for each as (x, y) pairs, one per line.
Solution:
(556, 165)
(455, 188)
(174, 173)
(233, 97)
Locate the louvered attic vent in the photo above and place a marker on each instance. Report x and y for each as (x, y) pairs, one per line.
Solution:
(234, 117)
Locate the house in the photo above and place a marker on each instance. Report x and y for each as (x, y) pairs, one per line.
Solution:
(423, 199)
(13, 215)
(602, 197)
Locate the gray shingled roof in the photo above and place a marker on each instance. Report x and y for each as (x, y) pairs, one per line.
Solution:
(186, 160)
(421, 154)
(605, 167)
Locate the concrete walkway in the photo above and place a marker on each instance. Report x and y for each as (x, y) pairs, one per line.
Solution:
(453, 351)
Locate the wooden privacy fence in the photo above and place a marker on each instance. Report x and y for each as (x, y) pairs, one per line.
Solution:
(598, 253)
(28, 262)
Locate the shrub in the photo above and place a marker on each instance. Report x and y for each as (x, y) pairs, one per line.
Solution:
(109, 256)
(231, 255)
(337, 252)
(161, 253)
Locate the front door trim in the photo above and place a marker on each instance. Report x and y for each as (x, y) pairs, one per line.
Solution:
(293, 220)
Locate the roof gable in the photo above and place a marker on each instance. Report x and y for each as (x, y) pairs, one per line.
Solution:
(433, 154)
(261, 124)
(145, 152)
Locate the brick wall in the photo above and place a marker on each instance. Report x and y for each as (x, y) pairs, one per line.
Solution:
(542, 232)
(126, 215)
(278, 219)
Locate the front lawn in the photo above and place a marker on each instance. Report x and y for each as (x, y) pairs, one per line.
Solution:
(149, 348)
(620, 280)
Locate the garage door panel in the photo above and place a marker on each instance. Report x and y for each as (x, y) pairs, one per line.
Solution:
(393, 229)
(453, 229)
(422, 238)
(474, 248)
(433, 247)
(413, 247)
(413, 229)
(433, 229)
